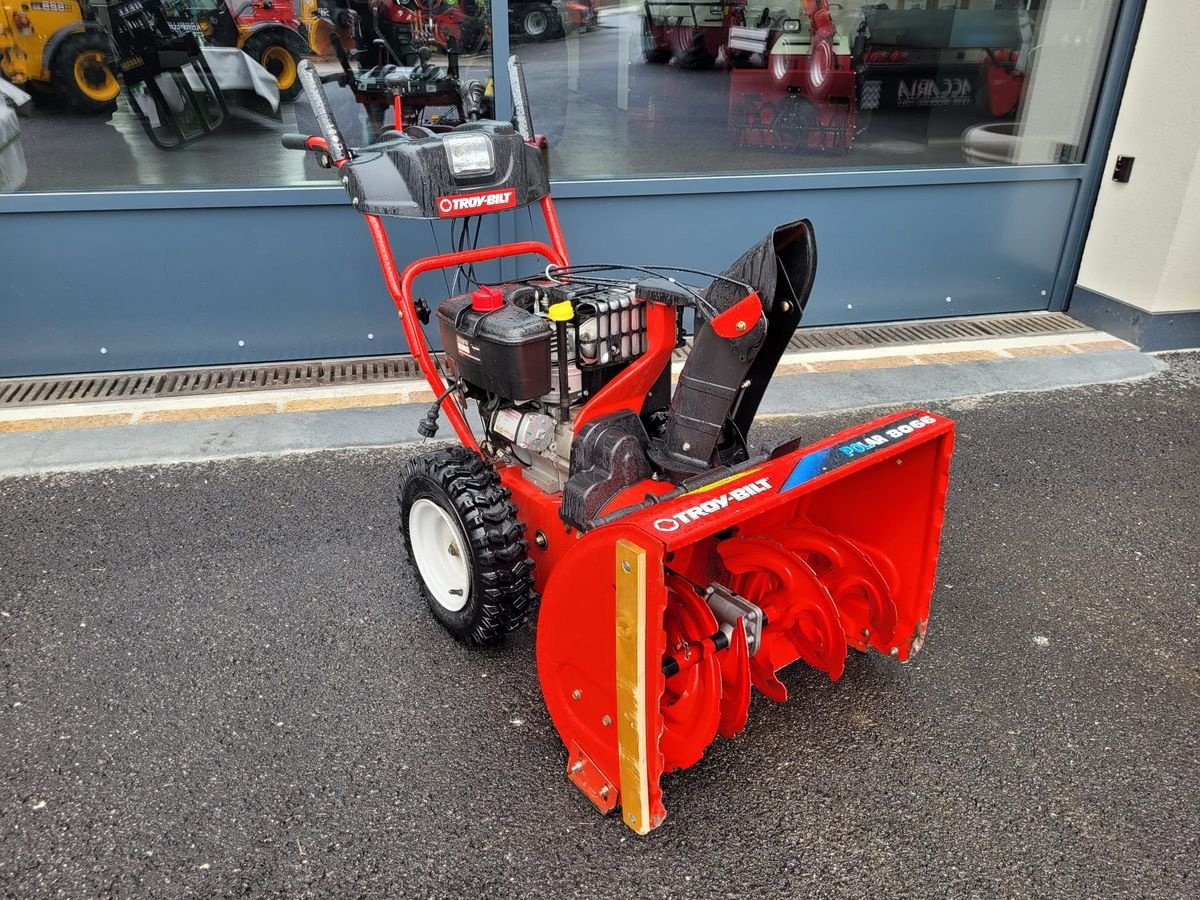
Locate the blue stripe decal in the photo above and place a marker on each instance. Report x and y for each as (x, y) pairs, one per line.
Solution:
(818, 462)
(808, 467)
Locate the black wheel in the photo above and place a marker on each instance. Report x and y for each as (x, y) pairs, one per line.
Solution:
(271, 51)
(81, 75)
(539, 23)
(466, 544)
(794, 123)
(657, 56)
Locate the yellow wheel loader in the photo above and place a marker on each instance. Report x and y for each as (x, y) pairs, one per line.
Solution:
(58, 44)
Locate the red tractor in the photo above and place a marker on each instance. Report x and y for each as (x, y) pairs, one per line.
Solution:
(805, 95)
(799, 83)
(689, 32)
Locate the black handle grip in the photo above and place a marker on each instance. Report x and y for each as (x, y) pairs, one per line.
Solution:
(311, 81)
(294, 141)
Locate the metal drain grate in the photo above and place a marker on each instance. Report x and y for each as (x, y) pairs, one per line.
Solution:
(381, 369)
(196, 382)
(932, 331)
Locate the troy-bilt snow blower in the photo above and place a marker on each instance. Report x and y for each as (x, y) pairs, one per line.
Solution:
(676, 568)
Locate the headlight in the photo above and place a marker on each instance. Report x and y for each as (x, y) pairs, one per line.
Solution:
(469, 154)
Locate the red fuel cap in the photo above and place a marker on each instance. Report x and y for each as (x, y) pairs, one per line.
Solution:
(486, 299)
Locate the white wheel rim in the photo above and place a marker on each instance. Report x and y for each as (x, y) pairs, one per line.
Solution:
(441, 554)
(536, 22)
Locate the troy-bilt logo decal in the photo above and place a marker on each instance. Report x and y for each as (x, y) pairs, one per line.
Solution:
(484, 201)
(715, 504)
(819, 462)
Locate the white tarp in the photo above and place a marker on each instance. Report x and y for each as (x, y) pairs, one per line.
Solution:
(11, 95)
(232, 69)
(12, 156)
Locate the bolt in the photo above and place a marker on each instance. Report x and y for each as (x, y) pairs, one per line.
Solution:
(604, 792)
(627, 567)
(895, 651)
(576, 694)
(632, 819)
(686, 446)
(370, 337)
(354, 200)
(577, 766)
(741, 326)
(786, 306)
(866, 632)
(241, 343)
(540, 539)
(606, 721)
(453, 549)
(345, 179)
(103, 349)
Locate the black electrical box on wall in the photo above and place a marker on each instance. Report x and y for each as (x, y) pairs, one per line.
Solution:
(1123, 169)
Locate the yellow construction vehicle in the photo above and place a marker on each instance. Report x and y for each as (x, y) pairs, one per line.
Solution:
(63, 44)
(58, 44)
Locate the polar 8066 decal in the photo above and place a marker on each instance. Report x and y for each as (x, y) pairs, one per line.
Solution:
(712, 505)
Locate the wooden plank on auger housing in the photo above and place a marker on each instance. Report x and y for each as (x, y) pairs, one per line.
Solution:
(631, 685)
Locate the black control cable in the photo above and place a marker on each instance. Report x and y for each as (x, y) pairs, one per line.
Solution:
(428, 426)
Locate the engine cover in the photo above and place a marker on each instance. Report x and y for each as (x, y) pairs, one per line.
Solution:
(504, 351)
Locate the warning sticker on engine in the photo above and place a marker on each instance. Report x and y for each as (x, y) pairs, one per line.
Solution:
(466, 348)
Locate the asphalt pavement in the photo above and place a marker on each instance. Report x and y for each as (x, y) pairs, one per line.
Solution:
(219, 681)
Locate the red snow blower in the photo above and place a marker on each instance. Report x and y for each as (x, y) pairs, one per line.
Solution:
(676, 567)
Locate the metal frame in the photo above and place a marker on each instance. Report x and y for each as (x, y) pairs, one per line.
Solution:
(1104, 124)
(333, 195)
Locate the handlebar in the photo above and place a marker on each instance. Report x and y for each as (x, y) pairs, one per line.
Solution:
(313, 89)
(294, 141)
(520, 99)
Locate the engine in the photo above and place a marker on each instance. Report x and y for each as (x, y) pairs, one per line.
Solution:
(505, 347)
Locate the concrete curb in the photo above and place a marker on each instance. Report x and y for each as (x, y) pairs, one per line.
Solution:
(106, 414)
(200, 439)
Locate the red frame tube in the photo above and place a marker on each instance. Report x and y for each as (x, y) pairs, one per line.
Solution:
(400, 284)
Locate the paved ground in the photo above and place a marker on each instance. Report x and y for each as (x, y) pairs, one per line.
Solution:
(217, 681)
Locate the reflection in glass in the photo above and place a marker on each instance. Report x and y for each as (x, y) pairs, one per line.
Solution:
(215, 81)
(623, 88)
(685, 87)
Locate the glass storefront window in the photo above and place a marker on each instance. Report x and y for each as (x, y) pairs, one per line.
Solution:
(127, 94)
(196, 93)
(681, 87)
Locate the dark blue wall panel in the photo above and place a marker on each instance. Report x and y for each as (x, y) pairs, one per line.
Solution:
(884, 252)
(182, 287)
(170, 288)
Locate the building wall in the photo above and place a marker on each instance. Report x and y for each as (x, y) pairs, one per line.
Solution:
(1143, 246)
